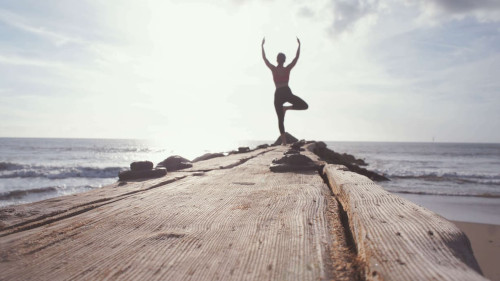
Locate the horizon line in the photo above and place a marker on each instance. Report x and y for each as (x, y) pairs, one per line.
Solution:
(257, 140)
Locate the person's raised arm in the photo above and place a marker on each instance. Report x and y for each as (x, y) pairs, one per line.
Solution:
(264, 55)
(292, 64)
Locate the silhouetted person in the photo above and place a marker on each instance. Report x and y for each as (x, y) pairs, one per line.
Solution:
(281, 75)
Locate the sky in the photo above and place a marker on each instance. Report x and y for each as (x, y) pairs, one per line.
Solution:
(186, 71)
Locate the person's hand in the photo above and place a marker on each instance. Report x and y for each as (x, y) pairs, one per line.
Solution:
(263, 41)
(298, 41)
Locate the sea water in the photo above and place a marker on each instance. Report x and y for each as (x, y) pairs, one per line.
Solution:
(448, 169)
(35, 169)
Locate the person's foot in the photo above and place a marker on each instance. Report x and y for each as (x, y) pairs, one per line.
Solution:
(283, 139)
(285, 108)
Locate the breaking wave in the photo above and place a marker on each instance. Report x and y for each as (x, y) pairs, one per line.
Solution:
(486, 179)
(484, 195)
(14, 170)
(18, 194)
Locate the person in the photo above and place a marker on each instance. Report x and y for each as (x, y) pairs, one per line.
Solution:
(283, 94)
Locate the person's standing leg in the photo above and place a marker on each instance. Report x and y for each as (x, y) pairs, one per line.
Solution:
(278, 106)
(281, 118)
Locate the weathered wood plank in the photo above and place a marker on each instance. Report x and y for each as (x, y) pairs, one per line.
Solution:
(239, 223)
(399, 240)
(15, 217)
(37, 212)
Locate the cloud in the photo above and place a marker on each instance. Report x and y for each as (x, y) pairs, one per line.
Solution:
(445, 10)
(118, 62)
(21, 61)
(463, 6)
(306, 12)
(347, 13)
(23, 24)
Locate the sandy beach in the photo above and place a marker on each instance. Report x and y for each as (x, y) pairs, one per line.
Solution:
(478, 217)
(485, 241)
(460, 208)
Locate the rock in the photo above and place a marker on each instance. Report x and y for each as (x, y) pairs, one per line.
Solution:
(141, 166)
(283, 168)
(352, 159)
(293, 159)
(207, 156)
(321, 150)
(243, 149)
(261, 146)
(289, 139)
(292, 151)
(298, 144)
(293, 162)
(371, 175)
(141, 174)
(174, 163)
(347, 160)
(320, 145)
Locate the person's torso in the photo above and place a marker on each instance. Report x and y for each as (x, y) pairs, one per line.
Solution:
(281, 76)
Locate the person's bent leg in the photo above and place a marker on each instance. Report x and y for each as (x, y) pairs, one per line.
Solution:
(297, 103)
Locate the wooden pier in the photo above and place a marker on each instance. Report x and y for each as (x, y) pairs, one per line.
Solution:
(231, 218)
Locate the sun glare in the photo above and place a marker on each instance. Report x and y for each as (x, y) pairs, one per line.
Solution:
(199, 66)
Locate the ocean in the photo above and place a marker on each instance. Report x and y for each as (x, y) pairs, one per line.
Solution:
(34, 169)
(450, 169)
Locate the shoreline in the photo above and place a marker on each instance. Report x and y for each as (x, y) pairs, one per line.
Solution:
(477, 217)
(470, 209)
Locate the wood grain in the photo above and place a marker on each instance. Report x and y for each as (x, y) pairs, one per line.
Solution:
(241, 222)
(34, 213)
(399, 240)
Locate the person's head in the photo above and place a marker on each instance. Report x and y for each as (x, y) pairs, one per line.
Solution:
(281, 58)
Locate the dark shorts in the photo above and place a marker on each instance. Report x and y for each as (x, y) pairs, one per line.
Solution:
(282, 95)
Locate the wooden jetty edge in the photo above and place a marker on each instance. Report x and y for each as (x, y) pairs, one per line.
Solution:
(230, 218)
(397, 239)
